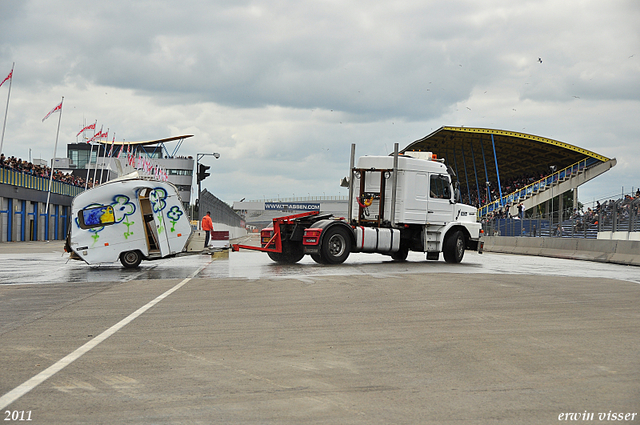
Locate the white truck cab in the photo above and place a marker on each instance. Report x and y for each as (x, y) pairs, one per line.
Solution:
(425, 200)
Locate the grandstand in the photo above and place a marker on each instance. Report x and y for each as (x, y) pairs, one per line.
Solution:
(500, 170)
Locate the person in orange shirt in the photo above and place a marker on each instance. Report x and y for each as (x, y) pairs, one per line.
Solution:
(207, 226)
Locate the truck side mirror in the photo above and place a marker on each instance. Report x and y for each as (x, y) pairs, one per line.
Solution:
(456, 193)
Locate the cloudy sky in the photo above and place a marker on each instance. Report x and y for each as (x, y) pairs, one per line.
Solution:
(282, 88)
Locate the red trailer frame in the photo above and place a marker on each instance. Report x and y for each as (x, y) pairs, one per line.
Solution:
(276, 238)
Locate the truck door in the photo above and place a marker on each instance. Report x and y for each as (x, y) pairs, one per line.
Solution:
(416, 192)
(440, 207)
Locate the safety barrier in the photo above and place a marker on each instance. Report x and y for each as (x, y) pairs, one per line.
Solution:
(607, 251)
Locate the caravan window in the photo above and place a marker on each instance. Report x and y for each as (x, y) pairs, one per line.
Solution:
(440, 186)
(96, 217)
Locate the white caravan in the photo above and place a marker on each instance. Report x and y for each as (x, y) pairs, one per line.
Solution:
(128, 219)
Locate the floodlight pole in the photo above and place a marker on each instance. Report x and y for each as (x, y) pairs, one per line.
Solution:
(553, 170)
(199, 156)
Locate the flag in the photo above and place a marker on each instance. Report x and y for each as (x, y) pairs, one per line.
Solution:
(99, 135)
(8, 78)
(112, 142)
(56, 109)
(89, 127)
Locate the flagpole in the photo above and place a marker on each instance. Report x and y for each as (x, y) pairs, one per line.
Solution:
(86, 180)
(53, 163)
(95, 169)
(105, 155)
(6, 111)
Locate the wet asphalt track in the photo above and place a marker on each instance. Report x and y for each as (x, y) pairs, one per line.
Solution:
(497, 339)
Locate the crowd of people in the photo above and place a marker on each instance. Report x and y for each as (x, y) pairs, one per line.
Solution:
(491, 192)
(602, 215)
(623, 209)
(26, 167)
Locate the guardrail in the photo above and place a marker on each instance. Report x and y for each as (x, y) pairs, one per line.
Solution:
(29, 181)
(622, 215)
(538, 186)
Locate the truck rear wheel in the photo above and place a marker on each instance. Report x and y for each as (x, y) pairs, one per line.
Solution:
(131, 259)
(318, 258)
(336, 245)
(454, 247)
(401, 255)
(292, 252)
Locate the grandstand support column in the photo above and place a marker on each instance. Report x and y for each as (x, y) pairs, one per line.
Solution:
(497, 170)
(560, 208)
(455, 162)
(466, 176)
(575, 198)
(475, 172)
(546, 208)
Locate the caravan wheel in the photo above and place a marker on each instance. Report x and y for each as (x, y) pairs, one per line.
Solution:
(131, 259)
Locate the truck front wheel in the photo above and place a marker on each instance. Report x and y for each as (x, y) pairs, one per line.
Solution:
(131, 259)
(454, 247)
(336, 245)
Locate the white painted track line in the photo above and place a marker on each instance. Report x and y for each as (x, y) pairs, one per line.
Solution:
(38, 379)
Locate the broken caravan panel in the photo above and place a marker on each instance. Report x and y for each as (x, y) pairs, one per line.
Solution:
(128, 219)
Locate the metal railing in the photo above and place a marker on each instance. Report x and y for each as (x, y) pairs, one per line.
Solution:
(537, 187)
(29, 181)
(622, 215)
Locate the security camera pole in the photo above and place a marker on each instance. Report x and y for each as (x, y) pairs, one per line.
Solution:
(201, 174)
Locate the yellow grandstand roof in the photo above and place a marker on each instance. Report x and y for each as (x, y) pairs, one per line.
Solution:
(469, 151)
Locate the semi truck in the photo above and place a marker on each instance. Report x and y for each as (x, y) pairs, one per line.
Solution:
(397, 203)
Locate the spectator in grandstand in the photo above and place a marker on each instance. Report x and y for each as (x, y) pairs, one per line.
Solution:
(559, 231)
(26, 167)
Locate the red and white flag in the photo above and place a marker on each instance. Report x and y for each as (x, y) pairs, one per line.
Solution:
(89, 127)
(112, 143)
(8, 78)
(56, 109)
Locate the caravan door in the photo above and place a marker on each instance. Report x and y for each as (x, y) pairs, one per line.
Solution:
(152, 202)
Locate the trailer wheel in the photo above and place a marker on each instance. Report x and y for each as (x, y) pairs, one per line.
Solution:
(291, 253)
(131, 259)
(336, 245)
(401, 255)
(454, 247)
